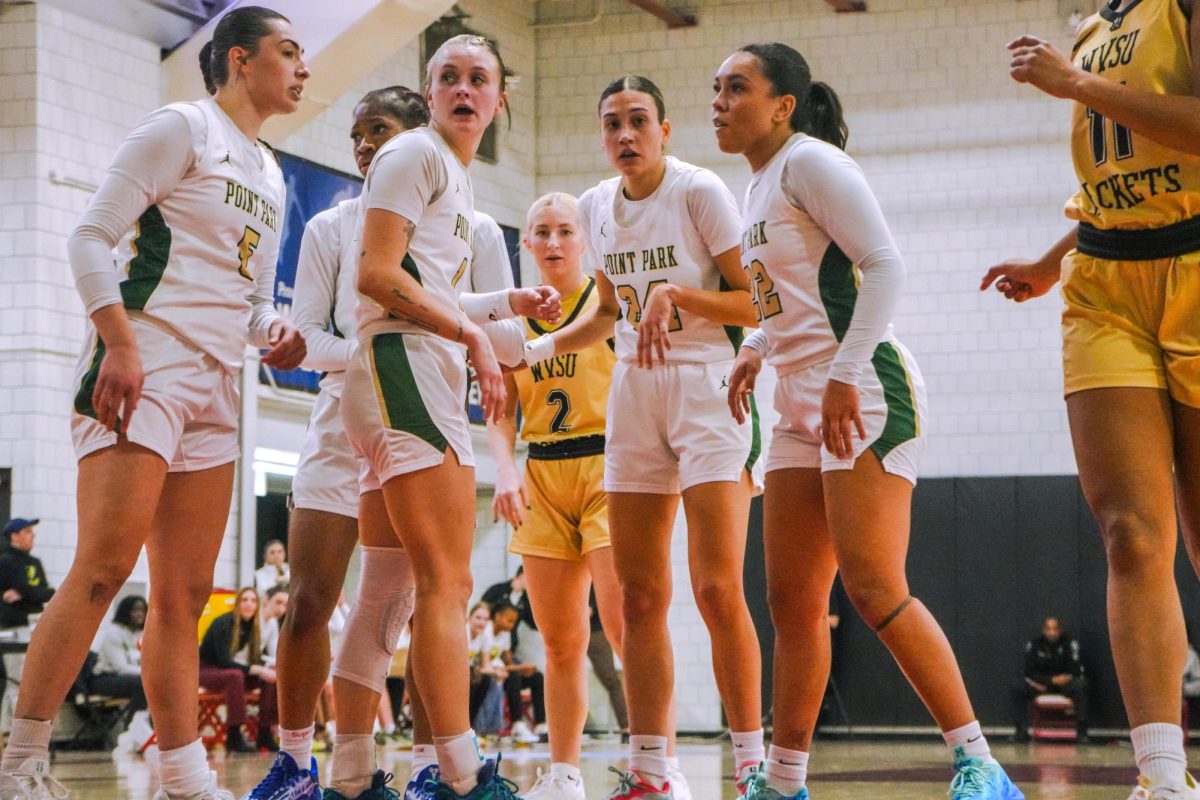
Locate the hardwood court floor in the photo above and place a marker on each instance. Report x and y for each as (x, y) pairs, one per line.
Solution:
(841, 770)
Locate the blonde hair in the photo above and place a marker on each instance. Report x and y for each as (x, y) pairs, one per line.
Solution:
(549, 200)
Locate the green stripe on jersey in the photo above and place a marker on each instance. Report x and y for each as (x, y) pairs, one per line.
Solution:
(736, 333)
(397, 386)
(410, 266)
(902, 423)
(755, 435)
(839, 289)
(152, 248)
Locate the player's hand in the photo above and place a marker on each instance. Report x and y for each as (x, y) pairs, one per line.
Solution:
(118, 386)
(1020, 279)
(12, 596)
(654, 337)
(512, 498)
(741, 381)
(286, 348)
(1040, 64)
(840, 418)
(487, 371)
(541, 302)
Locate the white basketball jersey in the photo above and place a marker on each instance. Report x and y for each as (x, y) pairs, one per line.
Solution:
(337, 228)
(804, 286)
(417, 176)
(194, 257)
(653, 241)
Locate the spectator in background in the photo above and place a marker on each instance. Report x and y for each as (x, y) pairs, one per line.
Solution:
(274, 570)
(1191, 679)
(513, 593)
(274, 610)
(118, 671)
(231, 662)
(519, 676)
(1052, 666)
(487, 672)
(600, 653)
(24, 588)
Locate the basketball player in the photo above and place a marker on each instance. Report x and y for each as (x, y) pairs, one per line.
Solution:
(1131, 334)
(663, 236)
(196, 202)
(826, 277)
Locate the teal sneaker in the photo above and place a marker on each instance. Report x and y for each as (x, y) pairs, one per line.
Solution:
(976, 779)
(379, 790)
(632, 786)
(491, 786)
(756, 788)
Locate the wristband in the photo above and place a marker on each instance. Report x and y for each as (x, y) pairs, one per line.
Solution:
(539, 349)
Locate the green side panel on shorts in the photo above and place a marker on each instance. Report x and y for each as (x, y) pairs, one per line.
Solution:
(152, 247)
(87, 385)
(736, 333)
(410, 266)
(839, 289)
(402, 401)
(755, 435)
(902, 424)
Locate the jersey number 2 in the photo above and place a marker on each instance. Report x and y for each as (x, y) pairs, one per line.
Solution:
(634, 303)
(246, 247)
(762, 290)
(558, 397)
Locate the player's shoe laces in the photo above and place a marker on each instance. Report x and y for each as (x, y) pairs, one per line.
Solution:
(976, 779)
(632, 786)
(756, 788)
(31, 781)
(1145, 791)
(744, 775)
(491, 786)
(212, 792)
(551, 786)
(424, 784)
(286, 781)
(379, 790)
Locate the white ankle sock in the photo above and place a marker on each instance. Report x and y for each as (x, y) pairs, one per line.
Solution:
(568, 771)
(648, 755)
(184, 771)
(1158, 750)
(353, 764)
(786, 770)
(422, 756)
(459, 759)
(747, 747)
(970, 738)
(29, 738)
(298, 745)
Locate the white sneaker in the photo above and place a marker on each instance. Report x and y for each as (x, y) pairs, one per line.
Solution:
(1145, 791)
(550, 786)
(212, 792)
(521, 734)
(31, 781)
(679, 785)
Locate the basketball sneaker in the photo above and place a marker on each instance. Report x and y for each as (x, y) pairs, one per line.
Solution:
(680, 789)
(756, 788)
(213, 792)
(1145, 791)
(522, 734)
(632, 786)
(424, 784)
(743, 776)
(976, 779)
(31, 781)
(491, 786)
(379, 790)
(286, 781)
(551, 786)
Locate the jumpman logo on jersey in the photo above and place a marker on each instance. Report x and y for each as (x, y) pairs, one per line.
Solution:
(456, 188)
(725, 382)
(604, 225)
(225, 160)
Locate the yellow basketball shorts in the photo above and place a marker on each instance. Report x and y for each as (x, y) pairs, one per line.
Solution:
(1132, 324)
(568, 514)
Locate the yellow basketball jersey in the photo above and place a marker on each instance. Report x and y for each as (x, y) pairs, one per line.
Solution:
(1126, 180)
(566, 396)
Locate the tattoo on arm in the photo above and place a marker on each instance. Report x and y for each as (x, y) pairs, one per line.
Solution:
(409, 230)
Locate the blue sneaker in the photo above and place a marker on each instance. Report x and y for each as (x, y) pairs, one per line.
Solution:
(976, 779)
(379, 790)
(286, 781)
(755, 787)
(491, 786)
(424, 784)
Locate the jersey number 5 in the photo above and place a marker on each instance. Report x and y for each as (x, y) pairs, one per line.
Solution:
(246, 247)
(557, 397)
(762, 289)
(634, 305)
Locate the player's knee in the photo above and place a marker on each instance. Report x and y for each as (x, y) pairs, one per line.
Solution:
(719, 600)
(644, 599)
(309, 610)
(795, 607)
(874, 598)
(1133, 540)
(565, 647)
(103, 578)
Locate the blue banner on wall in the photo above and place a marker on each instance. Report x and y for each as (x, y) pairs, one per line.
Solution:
(311, 188)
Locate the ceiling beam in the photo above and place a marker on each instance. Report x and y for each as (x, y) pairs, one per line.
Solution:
(673, 18)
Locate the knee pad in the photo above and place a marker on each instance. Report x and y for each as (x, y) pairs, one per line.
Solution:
(386, 594)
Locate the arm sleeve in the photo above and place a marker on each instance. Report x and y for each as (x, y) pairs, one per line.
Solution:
(316, 293)
(596, 263)
(757, 340)
(406, 179)
(491, 281)
(262, 298)
(714, 212)
(826, 184)
(147, 167)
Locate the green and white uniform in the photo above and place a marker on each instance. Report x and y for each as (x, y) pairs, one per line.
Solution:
(826, 276)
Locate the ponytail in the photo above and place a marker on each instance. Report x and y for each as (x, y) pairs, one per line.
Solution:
(210, 83)
(823, 115)
(818, 110)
